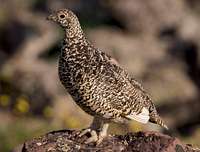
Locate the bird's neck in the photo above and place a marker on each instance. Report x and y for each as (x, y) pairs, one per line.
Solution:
(75, 43)
(74, 35)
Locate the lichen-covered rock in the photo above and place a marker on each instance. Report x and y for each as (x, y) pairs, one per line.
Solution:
(68, 141)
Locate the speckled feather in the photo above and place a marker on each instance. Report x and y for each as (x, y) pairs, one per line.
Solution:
(96, 82)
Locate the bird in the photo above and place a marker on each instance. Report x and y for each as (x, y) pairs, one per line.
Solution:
(97, 82)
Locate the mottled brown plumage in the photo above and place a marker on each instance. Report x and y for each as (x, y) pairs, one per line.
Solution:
(97, 83)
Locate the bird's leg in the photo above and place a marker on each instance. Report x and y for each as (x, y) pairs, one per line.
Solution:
(98, 131)
(103, 132)
(94, 127)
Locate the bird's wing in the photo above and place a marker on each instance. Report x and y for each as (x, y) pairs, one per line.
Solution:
(146, 111)
(137, 108)
(134, 82)
(143, 116)
(142, 99)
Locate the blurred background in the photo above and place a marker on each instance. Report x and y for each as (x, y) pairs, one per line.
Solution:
(156, 41)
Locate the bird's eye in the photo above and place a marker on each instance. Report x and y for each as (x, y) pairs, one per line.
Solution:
(62, 16)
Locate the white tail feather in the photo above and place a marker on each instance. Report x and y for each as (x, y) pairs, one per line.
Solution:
(142, 117)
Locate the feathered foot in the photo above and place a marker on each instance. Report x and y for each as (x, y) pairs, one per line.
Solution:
(98, 131)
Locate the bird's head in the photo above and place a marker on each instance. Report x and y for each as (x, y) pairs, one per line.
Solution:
(64, 17)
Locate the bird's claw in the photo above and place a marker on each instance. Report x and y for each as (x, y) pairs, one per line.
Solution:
(85, 131)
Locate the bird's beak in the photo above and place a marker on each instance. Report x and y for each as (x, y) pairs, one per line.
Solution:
(52, 17)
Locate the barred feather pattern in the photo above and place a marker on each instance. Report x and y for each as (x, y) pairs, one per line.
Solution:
(98, 84)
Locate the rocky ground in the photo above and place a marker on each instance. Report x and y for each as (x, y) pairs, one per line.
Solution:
(68, 141)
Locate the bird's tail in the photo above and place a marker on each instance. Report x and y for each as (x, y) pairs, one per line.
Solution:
(155, 118)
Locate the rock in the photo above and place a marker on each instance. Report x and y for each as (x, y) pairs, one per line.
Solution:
(67, 140)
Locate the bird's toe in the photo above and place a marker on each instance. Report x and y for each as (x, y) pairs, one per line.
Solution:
(85, 131)
(93, 138)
